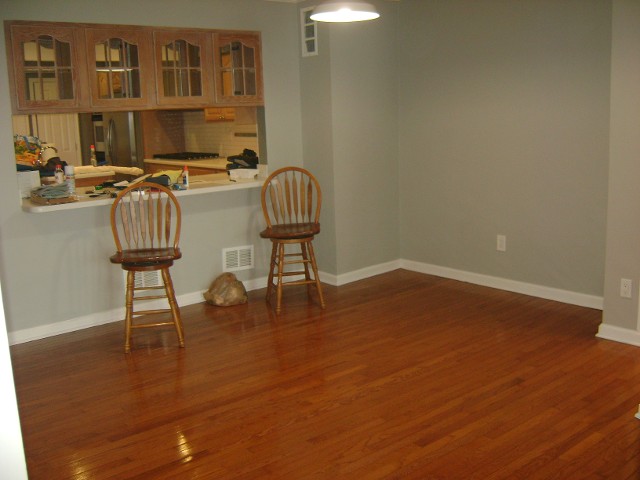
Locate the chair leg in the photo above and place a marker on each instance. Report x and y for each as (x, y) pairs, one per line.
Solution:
(272, 265)
(280, 272)
(314, 266)
(305, 263)
(128, 310)
(173, 304)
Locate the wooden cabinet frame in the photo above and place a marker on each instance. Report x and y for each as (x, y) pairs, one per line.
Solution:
(249, 39)
(149, 40)
(18, 32)
(202, 41)
(136, 36)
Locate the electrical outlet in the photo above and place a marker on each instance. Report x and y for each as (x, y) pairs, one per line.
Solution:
(625, 287)
(501, 243)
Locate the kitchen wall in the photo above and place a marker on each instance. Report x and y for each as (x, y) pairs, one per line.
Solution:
(54, 267)
(224, 138)
(162, 132)
(167, 131)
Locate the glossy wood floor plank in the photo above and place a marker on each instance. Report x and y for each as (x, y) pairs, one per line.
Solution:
(403, 375)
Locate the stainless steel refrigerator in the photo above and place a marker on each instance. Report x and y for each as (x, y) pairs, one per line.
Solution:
(116, 136)
(121, 139)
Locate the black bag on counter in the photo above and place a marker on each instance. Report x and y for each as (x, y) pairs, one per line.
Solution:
(163, 180)
(49, 169)
(247, 159)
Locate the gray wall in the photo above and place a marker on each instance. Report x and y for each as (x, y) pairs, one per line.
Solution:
(317, 114)
(504, 122)
(623, 222)
(364, 76)
(350, 139)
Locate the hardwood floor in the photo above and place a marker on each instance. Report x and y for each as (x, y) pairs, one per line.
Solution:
(404, 375)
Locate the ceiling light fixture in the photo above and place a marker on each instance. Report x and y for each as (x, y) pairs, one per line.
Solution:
(344, 12)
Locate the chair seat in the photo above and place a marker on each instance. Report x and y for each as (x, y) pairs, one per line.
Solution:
(146, 256)
(291, 231)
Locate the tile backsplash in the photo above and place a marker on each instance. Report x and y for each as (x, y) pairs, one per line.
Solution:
(162, 132)
(225, 138)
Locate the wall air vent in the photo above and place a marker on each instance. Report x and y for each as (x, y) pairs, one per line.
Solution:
(237, 258)
(146, 279)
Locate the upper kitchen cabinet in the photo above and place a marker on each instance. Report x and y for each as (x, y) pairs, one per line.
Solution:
(47, 73)
(238, 68)
(184, 73)
(79, 67)
(120, 67)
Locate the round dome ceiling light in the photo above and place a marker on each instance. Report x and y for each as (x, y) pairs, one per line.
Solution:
(344, 12)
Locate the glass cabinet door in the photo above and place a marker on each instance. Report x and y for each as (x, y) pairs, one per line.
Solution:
(119, 67)
(45, 67)
(238, 69)
(183, 68)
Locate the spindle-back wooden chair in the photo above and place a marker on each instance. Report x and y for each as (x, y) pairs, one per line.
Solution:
(291, 202)
(145, 221)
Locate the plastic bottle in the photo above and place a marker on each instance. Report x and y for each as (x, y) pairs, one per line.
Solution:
(185, 177)
(59, 174)
(70, 178)
(94, 161)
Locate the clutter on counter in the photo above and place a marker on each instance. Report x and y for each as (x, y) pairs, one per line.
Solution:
(202, 163)
(27, 151)
(102, 195)
(248, 159)
(55, 194)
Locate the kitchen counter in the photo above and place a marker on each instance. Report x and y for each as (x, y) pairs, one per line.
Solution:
(201, 184)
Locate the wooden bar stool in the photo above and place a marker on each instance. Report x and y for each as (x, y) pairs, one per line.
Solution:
(291, 202)
(146, 219)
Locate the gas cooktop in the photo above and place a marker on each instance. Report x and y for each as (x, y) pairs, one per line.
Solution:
(185, 156)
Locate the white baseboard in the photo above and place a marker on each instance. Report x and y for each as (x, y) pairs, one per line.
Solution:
(548, 293)
(618, 334)
(590, 301)
(71, 325)
(337, 280)
(95, 319)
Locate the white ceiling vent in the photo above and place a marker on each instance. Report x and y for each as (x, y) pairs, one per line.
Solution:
(237, 258)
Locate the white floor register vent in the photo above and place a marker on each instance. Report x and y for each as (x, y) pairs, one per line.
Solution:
(146, 279)
(237, 258)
